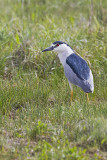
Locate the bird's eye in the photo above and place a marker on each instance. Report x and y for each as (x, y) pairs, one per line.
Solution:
(57, 45)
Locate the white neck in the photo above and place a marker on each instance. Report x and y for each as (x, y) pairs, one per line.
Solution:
(64, 54)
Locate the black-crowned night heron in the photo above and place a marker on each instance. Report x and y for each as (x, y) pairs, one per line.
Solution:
(75, 67)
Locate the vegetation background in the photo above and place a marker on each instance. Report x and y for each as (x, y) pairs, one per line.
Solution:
(37, 120)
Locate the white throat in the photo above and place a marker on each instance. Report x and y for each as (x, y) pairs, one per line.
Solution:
(63, 54)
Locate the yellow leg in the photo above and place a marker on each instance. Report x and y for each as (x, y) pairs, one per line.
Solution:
(71, 94)
(71, 90)
(87, 97)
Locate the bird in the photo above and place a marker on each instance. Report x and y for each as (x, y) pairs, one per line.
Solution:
(76, 68)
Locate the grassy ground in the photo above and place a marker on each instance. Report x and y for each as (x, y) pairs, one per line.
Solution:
(37, 119)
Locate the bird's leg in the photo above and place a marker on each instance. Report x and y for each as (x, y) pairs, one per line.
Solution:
(87, 97)
(71, 90)
(71, 94)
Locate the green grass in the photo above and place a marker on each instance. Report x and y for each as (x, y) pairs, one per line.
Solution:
(37, 119)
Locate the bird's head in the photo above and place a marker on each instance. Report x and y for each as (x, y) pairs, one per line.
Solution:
(58, 47)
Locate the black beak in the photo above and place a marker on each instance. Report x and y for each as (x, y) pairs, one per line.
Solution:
(48, 49)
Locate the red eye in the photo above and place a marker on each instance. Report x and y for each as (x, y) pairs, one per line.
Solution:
(57, 45)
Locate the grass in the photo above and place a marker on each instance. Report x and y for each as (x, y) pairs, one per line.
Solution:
(37, 119)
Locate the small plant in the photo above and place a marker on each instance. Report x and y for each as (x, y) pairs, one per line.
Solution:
(38, 131)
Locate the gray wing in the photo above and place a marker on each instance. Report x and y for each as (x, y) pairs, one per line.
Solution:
(79, 66)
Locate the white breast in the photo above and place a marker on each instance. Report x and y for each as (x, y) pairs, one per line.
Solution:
(63, 54)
